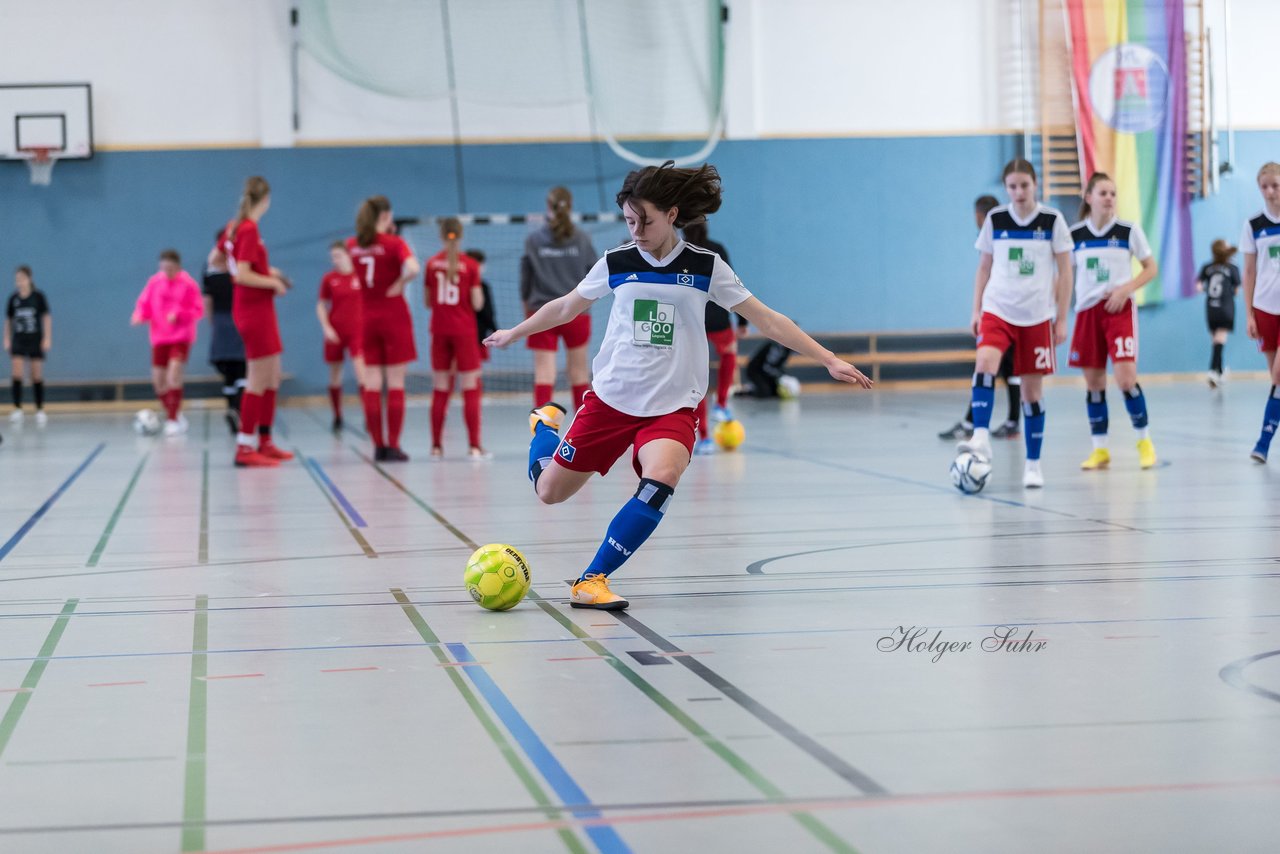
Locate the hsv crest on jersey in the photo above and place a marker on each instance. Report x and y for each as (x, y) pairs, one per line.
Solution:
(567, 452)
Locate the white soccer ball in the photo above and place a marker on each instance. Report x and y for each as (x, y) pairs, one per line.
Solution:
(969, 473)
(146, 422)
(788, 387)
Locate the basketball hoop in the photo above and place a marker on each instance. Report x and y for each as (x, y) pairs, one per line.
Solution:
(40, 161)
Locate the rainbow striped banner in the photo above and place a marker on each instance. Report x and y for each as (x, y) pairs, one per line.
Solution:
(1129, 78)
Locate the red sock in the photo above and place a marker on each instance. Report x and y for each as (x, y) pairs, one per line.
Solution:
(250, 406)
(372, 401)
(175, 394)
(578, 392)
(471, 413)
(701, 414)
(267, 415)
(335, 400)
(395, 415)
(165, 399)
(439, 404)
(542, 394)
(728, 367)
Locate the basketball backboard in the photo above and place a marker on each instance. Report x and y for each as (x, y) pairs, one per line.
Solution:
(57, 117)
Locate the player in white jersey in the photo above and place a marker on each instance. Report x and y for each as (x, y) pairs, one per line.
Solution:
(1106, 316)
(1021, 293)
(1260, 245)
(651, 371)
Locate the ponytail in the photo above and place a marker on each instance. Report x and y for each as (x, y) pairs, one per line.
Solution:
(560, 203)
(367, 219)
(451, 233)
(256, 189)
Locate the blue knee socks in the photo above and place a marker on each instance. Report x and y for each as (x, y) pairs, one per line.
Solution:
(541, 449)
(1033, 415)
(631, 527)
(1270, 421)
(984, 396)
(1136, 403)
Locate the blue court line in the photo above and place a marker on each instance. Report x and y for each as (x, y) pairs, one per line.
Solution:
(44, 508)
(355, 517)
(569, 792)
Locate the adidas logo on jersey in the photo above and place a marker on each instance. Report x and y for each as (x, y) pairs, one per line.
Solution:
(632, 278)
(1004, 234)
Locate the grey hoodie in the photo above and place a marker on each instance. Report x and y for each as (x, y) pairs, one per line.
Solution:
(550, 270)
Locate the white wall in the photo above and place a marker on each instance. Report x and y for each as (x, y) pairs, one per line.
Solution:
(216, 72)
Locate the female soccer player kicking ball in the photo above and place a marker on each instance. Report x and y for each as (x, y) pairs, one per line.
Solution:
(652, 367)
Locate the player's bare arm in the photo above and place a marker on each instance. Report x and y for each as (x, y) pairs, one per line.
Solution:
(555, 313)
(784, 330)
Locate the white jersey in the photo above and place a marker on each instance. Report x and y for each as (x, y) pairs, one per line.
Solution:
(1262, 238)
(654, 358)
(1020, 290)
(1104, 258)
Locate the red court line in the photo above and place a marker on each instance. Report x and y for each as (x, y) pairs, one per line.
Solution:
(1128, 637)
(795, 648)
(115, 684)
(347, 669)
(580, 658)
(753, 809)
(15, 690)
(232, 676)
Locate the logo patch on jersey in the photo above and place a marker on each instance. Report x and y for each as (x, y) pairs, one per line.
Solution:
(684, 279)
(655, 323)
(1020, 264)
(1101, 272)
(632, 278)
(1273, 252)
(566, 451)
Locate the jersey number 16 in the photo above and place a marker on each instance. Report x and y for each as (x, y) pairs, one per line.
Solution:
(446, 291)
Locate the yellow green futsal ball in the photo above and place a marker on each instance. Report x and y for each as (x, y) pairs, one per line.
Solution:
(729, 434)
(497, 577)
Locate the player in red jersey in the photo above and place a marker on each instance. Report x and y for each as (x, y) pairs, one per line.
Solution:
(385, 265)
(253, 309)
(342, 320)
(453, 296)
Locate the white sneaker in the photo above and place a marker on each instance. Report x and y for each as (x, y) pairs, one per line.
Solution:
(1214, 379)
(979, 445)
(1032, 477)
(183, 424)
(721, 413)
(479, 454)
(172, 428)
(704, 447)
(16, 416)
(41, 418)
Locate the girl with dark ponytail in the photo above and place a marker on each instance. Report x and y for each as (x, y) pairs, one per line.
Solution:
(651, 371)
(556, 257)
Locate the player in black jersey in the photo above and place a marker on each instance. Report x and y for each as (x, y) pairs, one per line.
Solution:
(28, 335)
(1219, 281)
(723, 337)
(963, 428)
(226, 350)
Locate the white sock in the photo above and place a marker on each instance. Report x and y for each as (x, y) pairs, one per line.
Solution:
(1099, 441)
(1144, 433)
(982, 434)
(1033, 465)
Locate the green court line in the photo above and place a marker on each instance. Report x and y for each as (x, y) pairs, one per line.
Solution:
(823, 833)
(351, 529)
(19, 704)
(206, 426)
(193, 793)
(203, 553)
(500, 741)
(115, 515)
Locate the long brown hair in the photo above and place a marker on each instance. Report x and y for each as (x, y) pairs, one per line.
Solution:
(367, 219)
(451, 233)
(695, 193)
(1094, 180)
(560, 203)
(256, 189)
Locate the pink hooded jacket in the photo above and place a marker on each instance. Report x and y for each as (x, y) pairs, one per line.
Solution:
(179, 297)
